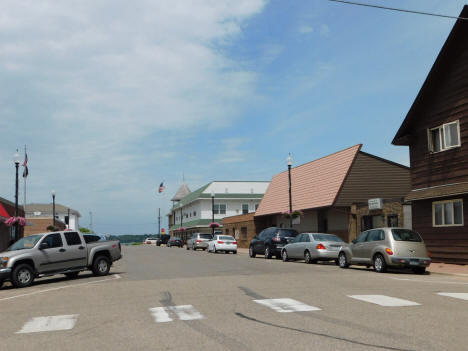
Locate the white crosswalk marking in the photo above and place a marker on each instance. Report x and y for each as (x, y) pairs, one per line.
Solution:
(50, 323)
(462, 296)
(183, 312)
(383, 300)
(286, 305)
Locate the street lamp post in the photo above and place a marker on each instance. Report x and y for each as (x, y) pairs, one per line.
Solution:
(212, 211)
(53, 206)
(17, 162)
(290, 162)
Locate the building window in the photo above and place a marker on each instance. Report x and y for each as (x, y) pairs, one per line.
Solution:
(444, 137)
(244, 233)
(447, 213)
(256, 207)
(227, 231)
(219, 209)
(194, 213)
(371, 222)
(392, 220)
(245, 208)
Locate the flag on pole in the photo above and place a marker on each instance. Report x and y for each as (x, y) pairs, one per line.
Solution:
(25, 165)
(161, 187)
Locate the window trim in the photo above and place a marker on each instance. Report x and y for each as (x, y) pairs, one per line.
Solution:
(443, 213)
(442, 139)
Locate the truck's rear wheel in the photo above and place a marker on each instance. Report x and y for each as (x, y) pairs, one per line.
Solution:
(101, 266)
(22, 276)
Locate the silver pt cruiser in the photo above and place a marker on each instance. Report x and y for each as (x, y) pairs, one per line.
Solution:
(386, 247)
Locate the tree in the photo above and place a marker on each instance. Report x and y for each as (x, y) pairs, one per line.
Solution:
(86, 230)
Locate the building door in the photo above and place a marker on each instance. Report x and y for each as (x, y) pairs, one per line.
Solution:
(322, 221)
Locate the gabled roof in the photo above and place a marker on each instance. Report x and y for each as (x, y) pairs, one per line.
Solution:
(315, 184)
(457, 37)
(47, 209)
(183, 191)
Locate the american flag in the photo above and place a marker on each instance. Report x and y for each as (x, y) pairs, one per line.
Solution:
(161, 187)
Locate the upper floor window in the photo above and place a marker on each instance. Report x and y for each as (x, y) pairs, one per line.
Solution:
(245, 208)
(219, 209)
(447, 213)
(444, 137)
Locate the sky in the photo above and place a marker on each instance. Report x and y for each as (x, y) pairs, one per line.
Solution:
(114, 97)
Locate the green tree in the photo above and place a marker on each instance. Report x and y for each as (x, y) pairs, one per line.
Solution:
(86, 230)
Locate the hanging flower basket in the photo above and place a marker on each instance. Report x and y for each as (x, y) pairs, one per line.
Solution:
(214, 225)
(13, 220)
(181, 229)
(293, 214)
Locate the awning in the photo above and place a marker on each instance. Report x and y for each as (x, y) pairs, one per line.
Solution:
(438, 191)
(3, 212)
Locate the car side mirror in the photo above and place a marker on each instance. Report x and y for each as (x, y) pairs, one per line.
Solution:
(354, 241)
(43, 246)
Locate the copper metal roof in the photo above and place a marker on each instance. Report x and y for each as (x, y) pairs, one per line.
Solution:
(314, 184)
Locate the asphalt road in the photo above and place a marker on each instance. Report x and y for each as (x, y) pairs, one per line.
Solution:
(160, 298)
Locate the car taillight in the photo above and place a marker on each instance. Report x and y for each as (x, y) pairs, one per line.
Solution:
(220, 242)
(199, 241)
(320, 247)
(389, 251)
(120, 247)
(428, 254)
(276, 239)
(234, 242)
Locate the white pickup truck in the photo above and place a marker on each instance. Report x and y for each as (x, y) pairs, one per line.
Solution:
(66, 252)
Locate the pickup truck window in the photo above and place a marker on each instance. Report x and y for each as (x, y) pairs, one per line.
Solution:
(54, 240)
(27, 242)
(72, 238)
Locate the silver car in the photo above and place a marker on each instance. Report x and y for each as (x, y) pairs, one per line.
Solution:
(387, 247)
(198, 241)
(313, 247)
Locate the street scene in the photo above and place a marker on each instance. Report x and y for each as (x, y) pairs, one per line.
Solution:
(234, 175)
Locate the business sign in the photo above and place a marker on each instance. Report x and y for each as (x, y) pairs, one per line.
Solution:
(375, 204)
(163, 231)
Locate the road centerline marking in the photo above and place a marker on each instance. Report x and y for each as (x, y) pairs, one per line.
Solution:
(461, 296)
(48, 324)
(286, 305)
(383, 300)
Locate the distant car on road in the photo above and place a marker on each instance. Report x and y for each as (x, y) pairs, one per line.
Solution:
(175, 241)
(151, 241)
(313, 247)
(387, 247)
(198, 241)
(65, 252)
(225, 243)
(271, 241)
(163, 239)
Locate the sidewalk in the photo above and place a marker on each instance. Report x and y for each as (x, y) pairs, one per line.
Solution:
(435, 268)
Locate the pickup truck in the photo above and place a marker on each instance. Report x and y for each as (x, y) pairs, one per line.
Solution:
(65, 252)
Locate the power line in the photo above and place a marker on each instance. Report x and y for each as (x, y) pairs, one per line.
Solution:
(400, 10)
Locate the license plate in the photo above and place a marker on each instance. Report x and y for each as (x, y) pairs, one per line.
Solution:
(414, 262)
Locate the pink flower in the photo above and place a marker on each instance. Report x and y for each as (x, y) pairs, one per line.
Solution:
(214, 225)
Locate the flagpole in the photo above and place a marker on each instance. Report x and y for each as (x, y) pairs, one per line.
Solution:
(24, 178)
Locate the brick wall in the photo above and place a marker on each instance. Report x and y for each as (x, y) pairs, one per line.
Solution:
(245, 225)
(39, 225)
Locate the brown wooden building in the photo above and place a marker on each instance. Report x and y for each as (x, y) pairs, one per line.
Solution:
(326, 190)
(436, 131)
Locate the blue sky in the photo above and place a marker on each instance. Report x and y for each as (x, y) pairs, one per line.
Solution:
(113, 98)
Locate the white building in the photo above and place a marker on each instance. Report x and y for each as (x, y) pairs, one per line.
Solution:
(61, 213)
(195, 210)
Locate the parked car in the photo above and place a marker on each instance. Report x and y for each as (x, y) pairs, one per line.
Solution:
(56, 253)
(225, 243)
(198, 241)
(163, 239)
(387, 247)
(175, 241)
(271, 241)
(313, 247)
(151, 241)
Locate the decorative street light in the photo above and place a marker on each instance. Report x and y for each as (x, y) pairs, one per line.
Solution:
(212, 211)
(53, 205)
(16, 160)
(290, 162)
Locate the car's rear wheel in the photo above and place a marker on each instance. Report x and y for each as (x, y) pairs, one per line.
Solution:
(342, 260)
(419, 270)
(252, 251)
(284, 256)
(267, 253)
(101, 266)
(380, 265)
(307, 257)
(235, 252)
(22, 276)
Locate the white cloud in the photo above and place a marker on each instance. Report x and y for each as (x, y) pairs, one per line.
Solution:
(305, 29)
(98, 87)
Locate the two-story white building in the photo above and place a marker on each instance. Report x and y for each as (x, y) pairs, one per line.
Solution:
(64, 214)
(212, 202)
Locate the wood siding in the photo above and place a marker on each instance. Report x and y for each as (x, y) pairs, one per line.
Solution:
(446, 102)
(446, 244)
(372, 177)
